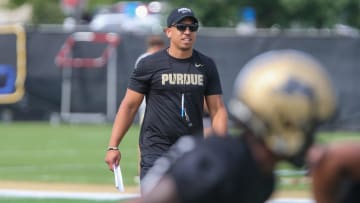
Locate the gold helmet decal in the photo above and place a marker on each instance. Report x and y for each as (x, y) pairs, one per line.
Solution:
(281, 95)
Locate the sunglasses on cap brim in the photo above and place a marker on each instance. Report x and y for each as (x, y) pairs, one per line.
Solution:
(182, 27)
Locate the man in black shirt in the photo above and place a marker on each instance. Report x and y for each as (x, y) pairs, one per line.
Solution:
(174, 82)
(280, 98)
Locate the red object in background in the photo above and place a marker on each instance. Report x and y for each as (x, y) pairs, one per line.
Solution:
(71, 7)
(71, 3)
(65, 60)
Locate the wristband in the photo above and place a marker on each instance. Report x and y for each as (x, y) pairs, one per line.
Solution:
(112, 148)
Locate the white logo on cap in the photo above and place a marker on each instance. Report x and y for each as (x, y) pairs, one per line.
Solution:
(184, 10)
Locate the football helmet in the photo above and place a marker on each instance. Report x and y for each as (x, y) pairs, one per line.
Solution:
(282, 96)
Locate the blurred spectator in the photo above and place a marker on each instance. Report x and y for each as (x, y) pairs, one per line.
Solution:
(154, 43)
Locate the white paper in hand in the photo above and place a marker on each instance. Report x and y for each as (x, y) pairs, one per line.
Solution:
(118, 178)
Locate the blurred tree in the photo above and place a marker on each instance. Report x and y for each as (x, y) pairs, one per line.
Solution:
(93, 5)
(352, 13)
(43, 11)
(216, 13)
(284, 13)
(50, 11)
(227, 13)
(305, 13)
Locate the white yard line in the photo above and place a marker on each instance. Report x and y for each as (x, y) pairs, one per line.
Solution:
(36, 194)
(291, 200)
(65, 195)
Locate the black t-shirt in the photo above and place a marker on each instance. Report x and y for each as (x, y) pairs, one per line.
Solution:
(351, 192)
(221, 170)
(170, 84)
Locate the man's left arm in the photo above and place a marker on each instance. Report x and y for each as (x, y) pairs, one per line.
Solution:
(218, 114)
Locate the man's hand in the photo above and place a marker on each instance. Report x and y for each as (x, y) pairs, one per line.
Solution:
(112, 158)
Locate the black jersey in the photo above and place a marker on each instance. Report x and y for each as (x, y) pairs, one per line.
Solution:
(350, 192)
(221, 170)
(174, 91)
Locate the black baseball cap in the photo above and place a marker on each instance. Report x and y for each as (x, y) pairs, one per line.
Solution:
(179, 14)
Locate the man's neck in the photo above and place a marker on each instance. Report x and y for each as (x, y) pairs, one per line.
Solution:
(180, 54)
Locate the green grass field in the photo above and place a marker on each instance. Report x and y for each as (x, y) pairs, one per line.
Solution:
(39, 152)
(20, 200)
(64, 153)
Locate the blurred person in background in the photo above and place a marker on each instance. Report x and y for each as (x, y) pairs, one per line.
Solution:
(174, 82)
(280, 99)
(335, 172)
(154, 44)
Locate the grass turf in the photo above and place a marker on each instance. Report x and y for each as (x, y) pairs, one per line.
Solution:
(35, 151)
(38, 151)
(27, 200)
(64, 153)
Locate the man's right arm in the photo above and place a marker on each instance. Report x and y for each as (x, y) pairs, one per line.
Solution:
(122, 123)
